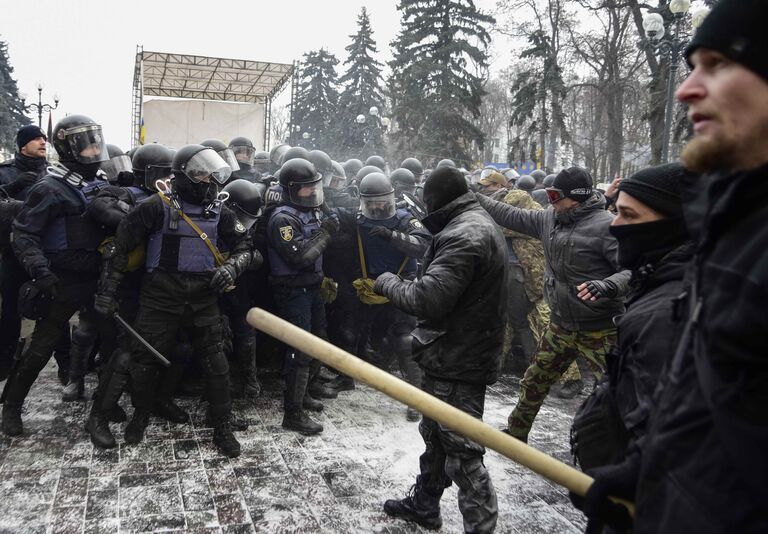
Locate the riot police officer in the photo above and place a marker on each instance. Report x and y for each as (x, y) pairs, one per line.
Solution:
(415, 166)
(57, 244)
(224, 152)
(403, 181)
(118, 166)
(186, 228)
(297, 234)
(351, 167)
(377, 161)
(388, 240)
(261, 164)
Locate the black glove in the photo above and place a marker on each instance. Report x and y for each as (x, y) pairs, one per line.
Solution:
(602, 289)
(105, 304)
(47, 283)
(331, 224)
(381, 232)
(24, 180)
(223, 278)
(600, 510)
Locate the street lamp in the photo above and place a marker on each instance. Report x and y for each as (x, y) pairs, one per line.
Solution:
(653, 24)
(360, 119)
(40, 106)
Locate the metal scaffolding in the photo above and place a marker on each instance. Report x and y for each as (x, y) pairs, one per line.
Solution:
(205, 78)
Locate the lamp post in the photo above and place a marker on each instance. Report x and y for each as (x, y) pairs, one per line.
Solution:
(40, 106)
(367, 133)
(653, 24)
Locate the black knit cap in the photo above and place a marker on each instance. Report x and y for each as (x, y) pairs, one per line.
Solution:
(575, 183)
(736, 29)
(27, 133)
(657, 187)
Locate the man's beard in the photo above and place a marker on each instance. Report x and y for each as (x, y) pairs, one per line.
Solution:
(707, 154)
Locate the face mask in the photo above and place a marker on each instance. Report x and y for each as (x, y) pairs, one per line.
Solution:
(647, 242)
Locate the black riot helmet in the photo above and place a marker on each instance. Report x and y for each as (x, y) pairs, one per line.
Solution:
(403, 180)
(365, 171)
(295, 152)
(526, 183)
(413, 165)
(261, 161)
(276, 154)
(302, 184)
(151, 163)
(117, 163)
(78, 138)
(245, 200)
(243, 149)
(377, 197)
(323, 164)
(351, 166)
(197, 162)
(224, 151)
(538, 175)
(549, 180)
(445, 163)
(377, 161)
(338, 177)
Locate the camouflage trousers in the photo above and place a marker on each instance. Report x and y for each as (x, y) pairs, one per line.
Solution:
(558, 350)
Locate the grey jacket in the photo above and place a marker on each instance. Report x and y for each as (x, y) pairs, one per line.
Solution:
(577, 248)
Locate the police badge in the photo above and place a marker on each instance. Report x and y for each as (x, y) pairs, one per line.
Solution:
(286, 232)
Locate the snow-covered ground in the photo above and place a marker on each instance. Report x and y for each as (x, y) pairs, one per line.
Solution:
(53, 480)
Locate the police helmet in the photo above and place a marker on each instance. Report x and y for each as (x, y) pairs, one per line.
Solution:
(151, 163)
(538, 175)
(295, 152)
(79, 138)
(245, 200)
(377, 196)
(413, 165)
(302, 184)
(198, 162)
(323, 164)
(351, 166)
(376, 161)
(224, 151)
(243, 149)
(549, 180)
(365, 171)
(339, 177)
(276, 154)
(526, 183)
(403, 180)
(117, 163)
(445, 163)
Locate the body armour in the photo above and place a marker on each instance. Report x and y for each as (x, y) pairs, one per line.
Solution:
(310, 224)
(381, 256)
(177, 247)
(74, 231)
(138, 194)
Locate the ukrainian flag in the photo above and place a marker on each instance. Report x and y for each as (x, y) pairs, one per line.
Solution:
(142, 132)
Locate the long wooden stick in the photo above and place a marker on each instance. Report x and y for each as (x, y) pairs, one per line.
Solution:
(484, 434)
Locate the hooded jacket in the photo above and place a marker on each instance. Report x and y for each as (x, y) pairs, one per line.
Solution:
(460, 297)
(577, 248)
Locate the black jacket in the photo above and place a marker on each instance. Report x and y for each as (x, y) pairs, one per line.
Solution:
(705, 462)
(460, 297)
(12, 168)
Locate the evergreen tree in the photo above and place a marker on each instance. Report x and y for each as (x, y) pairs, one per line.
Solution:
(316, 107)
(11, 106)
(438, 72)
(362, 90)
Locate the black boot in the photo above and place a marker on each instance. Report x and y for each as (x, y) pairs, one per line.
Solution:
(322, 391)
(418, 506)
(97, 426)
(312, 404)
(78, 364)
(295, 418)
(115, 414)
(134, 430)
(225, 440)
(242, 375)
(112, 382)
(12, 425)
(342, 383)
(164, 406)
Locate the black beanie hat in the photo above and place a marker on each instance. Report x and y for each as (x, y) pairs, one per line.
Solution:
(658, 188)
(736, 29)
(575, 183)
(27, 133)
(443, 186)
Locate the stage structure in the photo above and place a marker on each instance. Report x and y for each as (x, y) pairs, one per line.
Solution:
(203, 97)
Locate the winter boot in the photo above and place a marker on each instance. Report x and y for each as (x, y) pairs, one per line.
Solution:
(115, 414)
(12, 425)
(134, 430)
(164, 406)
(83, 338)
(418, 506)
(242, 375)
(295, 418)
(312, 404)
(342, 383)
(97, 426)
(225, 440)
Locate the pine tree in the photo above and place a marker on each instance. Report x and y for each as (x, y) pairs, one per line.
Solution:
(438, 72)
(362, 90)
(11, 106)
(316, 106)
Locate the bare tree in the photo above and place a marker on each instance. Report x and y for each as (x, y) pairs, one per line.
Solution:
(279, 125)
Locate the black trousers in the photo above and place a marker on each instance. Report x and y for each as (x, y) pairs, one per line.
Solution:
(451, 457)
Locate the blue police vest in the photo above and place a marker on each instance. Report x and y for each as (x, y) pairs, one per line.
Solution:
(182, 250)
(310, 224)
(75, 232)
(138, 194)
(380, 256)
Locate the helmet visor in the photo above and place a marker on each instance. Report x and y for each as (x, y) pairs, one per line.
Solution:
(207, 163)
(87, 144)
(243, 154)
(115, 166)
(247, 218)
(378, 208)
(229, 156)
(307, 195)
(153, 173)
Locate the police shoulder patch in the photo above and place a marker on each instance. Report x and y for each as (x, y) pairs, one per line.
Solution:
(239, 228)
(286, 232)
(416, 224)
